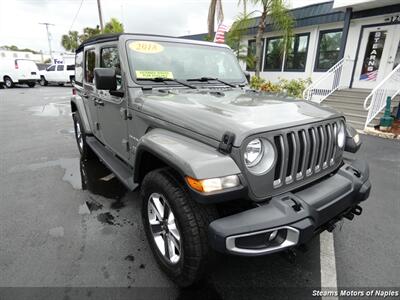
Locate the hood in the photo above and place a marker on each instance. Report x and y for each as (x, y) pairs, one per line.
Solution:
(213, 112)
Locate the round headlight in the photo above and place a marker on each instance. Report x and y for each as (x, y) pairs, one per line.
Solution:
(341, 137)
(254, 153)
(259, 156)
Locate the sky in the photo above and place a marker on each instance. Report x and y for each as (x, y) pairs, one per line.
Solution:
(19, 19)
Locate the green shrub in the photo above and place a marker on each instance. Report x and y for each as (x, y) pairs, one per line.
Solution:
(270, 87)
(293, 88)
(256, 82)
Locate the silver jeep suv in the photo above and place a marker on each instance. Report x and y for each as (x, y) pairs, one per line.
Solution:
(220, 167)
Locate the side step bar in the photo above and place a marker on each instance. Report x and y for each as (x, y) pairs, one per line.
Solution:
(121, 170)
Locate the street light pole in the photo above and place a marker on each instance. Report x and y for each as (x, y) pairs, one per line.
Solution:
(48, 36)
(100, 15)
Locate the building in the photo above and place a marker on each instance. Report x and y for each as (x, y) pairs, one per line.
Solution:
(349, 48)
(58, 58)
(39, 57)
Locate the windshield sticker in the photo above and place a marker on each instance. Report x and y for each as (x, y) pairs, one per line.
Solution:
(146, 47)
(154, 74)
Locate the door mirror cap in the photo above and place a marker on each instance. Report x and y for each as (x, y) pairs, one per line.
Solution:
(105, 79)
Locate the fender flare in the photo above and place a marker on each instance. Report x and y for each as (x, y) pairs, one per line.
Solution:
(187, 156)
(78, 105)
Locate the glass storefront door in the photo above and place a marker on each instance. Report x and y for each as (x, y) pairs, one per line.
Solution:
(377, 56)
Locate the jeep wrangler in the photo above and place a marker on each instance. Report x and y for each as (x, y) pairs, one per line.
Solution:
(220, 167)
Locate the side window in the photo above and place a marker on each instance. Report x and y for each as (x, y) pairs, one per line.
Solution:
(79, 68)
(90, 62)
(109, 59)
(70, 67)
(328, 49)
(60, 67)
(51, 68)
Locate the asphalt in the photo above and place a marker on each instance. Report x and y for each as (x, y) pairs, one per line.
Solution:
(68, 230)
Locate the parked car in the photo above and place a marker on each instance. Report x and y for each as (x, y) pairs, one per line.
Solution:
(58, 73)
(220, 167)
(18, 71)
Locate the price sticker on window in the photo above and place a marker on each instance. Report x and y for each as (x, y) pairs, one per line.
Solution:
(154, 74)
(146, 47)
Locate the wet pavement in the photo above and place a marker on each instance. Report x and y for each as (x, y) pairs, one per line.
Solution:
(70, 223)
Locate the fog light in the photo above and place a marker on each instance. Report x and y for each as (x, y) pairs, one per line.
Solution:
(272, 235)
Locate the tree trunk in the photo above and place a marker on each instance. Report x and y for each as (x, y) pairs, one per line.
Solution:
(260, 32)
(211, 19)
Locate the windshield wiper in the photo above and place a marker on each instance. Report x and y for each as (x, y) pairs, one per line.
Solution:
(162, 79)
(206, 79)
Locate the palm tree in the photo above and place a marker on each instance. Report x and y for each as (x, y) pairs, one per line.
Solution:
(281, 20)
(70, 41)
(88, 32)
(235, 34)
(113, 26)
(214, 9)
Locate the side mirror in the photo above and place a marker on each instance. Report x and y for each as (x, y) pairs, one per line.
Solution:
(353, 141)
(105, 79)
(247, 75)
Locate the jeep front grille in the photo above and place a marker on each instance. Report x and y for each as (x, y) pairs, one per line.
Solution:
(303, 152)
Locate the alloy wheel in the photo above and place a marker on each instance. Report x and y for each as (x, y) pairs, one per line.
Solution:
(164, 228)
(79, 137)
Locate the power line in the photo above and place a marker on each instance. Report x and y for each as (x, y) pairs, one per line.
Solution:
(76, 15)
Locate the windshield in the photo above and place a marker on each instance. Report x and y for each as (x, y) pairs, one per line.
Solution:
(180, 61)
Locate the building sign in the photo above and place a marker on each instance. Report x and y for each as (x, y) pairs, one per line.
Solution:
(373, 54)
(393, 19)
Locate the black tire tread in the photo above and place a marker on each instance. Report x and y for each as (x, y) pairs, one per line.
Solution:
(87, 151)
(198, 254)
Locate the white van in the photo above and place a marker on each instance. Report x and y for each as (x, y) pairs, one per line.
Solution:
(18, 71)
(58, 73)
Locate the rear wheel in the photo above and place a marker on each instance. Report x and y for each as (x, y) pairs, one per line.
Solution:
(31, 84)
(80, 136)
(8, 82)
(176, 227)
(43, 81)
(61, 84)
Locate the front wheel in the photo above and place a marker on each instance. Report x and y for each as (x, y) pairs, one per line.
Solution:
(80, 136)
(43, 81)
(176, 227)
(8, 82)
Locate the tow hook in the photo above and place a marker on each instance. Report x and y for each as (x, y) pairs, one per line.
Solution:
(357, 210)
(349, 216)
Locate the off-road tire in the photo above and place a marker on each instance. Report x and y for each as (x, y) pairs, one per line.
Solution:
(43, 81)
(84, 149)
(192, 222)
(8, 82)
(31, 84)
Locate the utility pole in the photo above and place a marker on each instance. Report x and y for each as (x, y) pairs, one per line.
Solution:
(48, 36)
(100, 16)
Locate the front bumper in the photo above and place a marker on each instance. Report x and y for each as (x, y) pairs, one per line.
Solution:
(293, 218)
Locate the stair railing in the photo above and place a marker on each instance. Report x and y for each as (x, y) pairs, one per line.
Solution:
(330, 81)
(390, 86)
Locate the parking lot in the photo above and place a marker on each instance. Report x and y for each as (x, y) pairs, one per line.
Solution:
(60, 229)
